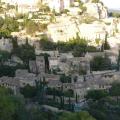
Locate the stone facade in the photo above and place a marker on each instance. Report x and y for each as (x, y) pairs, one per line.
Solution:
(25, 78)
(37, 66)
(11, 83)
(6, 44)
(40, 64)
(53, 63)
(32, 66)
(79, 64)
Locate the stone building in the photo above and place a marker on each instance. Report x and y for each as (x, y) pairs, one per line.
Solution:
(40, 64)
(32, 66)
(53, 63)
(83, 83)
(6, 44)
(79, 65)
(37, 66)
(11, 83)
(25, 78)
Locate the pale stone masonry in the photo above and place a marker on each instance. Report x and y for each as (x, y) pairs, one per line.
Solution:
(69, 64)
(77, 64)
(6, 44)
(40, 64)
(37, 66)
(96, 10)
(53, 63)
(11, 83)
(80, 86)
(32, 66)
(25, 78)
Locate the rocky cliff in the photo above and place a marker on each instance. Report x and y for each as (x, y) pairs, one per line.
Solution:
(97, 10)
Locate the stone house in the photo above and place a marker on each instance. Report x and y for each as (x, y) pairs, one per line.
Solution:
(11, 83)
(53, 63)
(96, 81)
(53, 81)
(37, 66)
(78, 65)
(40, 64)
(25, 78)
(6, 44)
(32, 66)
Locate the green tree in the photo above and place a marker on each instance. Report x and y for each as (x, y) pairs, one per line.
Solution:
(10, 24)
(100, 63)
(16, 48)
(7, 71)
(106, 45)
(97, 94)
(118, 62)
(79, 50)
(31, 27)
(105, 109)
(65, 79)
(27, 52)
(95, 1)
(11, 106)
(4, 56)
(69, 93)
(41, 91)
(115, 90)
(28, 91)
(1, 22)
(76, 116)
(97, 41)
(45, 44)
(39, 114)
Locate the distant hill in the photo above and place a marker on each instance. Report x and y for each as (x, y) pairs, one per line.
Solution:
(114, 10)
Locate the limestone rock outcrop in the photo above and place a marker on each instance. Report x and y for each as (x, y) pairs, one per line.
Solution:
(97, 10)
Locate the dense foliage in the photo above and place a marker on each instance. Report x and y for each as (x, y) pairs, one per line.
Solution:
(76, 116)
(26, 52)
(100, 63)
(7, 26)
(11, 106)
(28, 91)
(105, 105)
(6, 70)
(77, 46)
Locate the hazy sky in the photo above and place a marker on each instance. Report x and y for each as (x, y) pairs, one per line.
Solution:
(112, 3)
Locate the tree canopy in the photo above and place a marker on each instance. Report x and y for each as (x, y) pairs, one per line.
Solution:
(77, 116)
(7, 26)
(28, 91)
(96, 94)
(100, 63)
(26, 52)
(11, 106)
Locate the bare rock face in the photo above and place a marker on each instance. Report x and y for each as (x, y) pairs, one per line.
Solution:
(97, 10)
